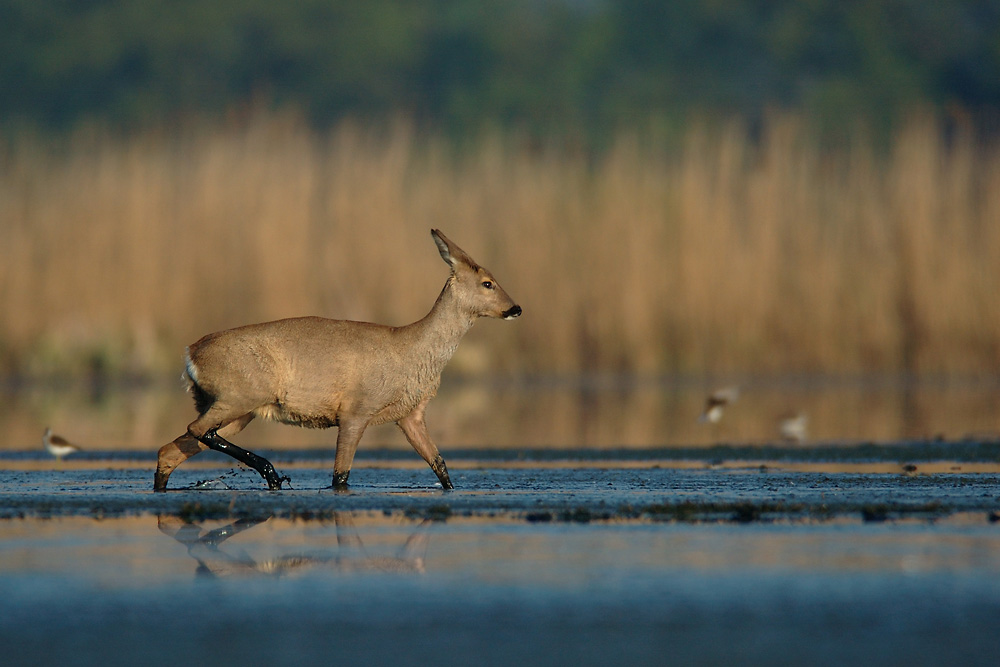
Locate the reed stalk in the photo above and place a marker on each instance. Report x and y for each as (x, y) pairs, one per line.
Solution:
(735, 253)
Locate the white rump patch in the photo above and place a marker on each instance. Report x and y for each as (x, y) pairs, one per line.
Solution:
(190, 370)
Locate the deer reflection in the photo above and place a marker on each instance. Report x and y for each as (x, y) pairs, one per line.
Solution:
(351, 556)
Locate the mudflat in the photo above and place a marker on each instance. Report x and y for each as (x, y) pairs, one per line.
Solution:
(756, 557)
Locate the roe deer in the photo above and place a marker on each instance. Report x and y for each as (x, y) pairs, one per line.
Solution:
(316, 372)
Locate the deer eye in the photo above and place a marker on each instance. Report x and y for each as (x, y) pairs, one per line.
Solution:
(488, 284)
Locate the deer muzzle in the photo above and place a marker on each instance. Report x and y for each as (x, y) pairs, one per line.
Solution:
(511, 313)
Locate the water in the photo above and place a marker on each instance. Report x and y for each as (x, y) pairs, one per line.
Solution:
(594, 412)
(592, 523)
(366, 586)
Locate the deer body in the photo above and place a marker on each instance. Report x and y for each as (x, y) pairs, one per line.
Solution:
(317, 372)
(307, 371)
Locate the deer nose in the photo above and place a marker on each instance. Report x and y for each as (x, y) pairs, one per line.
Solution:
(511, 313)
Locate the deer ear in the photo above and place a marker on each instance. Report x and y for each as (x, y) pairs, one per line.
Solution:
(442, 243)
(450, 252)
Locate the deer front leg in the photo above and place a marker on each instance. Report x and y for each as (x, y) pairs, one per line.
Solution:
(415, 430)
(348, 437)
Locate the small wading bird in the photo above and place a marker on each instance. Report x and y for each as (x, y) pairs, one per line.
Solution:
(716, 402)
(58, 446)
(317, 372)
(794, 427)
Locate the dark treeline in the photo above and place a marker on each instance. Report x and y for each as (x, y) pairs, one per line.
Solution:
(543, 65)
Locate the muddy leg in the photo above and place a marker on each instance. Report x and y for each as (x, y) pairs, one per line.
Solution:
(180, 450)
(214, 441)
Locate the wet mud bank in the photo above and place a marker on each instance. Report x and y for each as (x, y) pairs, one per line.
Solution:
(539, 491)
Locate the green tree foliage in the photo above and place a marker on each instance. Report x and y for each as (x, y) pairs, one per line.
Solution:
(461, 63)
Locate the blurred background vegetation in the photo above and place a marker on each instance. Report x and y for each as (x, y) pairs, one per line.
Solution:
(582, 69)
(703, 187)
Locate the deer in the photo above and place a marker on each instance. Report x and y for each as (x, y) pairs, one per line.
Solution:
(319, 373)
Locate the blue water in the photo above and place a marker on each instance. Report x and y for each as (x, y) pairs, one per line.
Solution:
(384, 589)
(526, 563)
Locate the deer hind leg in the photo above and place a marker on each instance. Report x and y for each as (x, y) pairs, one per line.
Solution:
(209, 429)
(415, 430)
(172, 455)
(184, 447)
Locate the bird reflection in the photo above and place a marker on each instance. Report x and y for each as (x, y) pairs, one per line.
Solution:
(204, 546)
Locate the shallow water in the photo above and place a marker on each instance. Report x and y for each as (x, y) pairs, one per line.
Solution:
(590, 412)
(532, 561)
(364, 586)
(592, 523)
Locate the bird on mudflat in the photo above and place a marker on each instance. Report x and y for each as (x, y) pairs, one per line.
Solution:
(715, 403)
(57, 445)
(794, 427)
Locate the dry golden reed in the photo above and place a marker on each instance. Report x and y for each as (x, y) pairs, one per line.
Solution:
(730, 255)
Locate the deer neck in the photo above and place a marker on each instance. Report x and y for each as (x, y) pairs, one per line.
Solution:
(437, 335)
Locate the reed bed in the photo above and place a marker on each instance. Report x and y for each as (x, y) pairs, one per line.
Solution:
(734, 253)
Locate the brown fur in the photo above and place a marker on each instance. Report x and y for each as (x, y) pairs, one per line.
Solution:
(317, 372)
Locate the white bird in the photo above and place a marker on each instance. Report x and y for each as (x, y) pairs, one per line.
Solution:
(715, 403)
(58, 446)
(794, 428)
